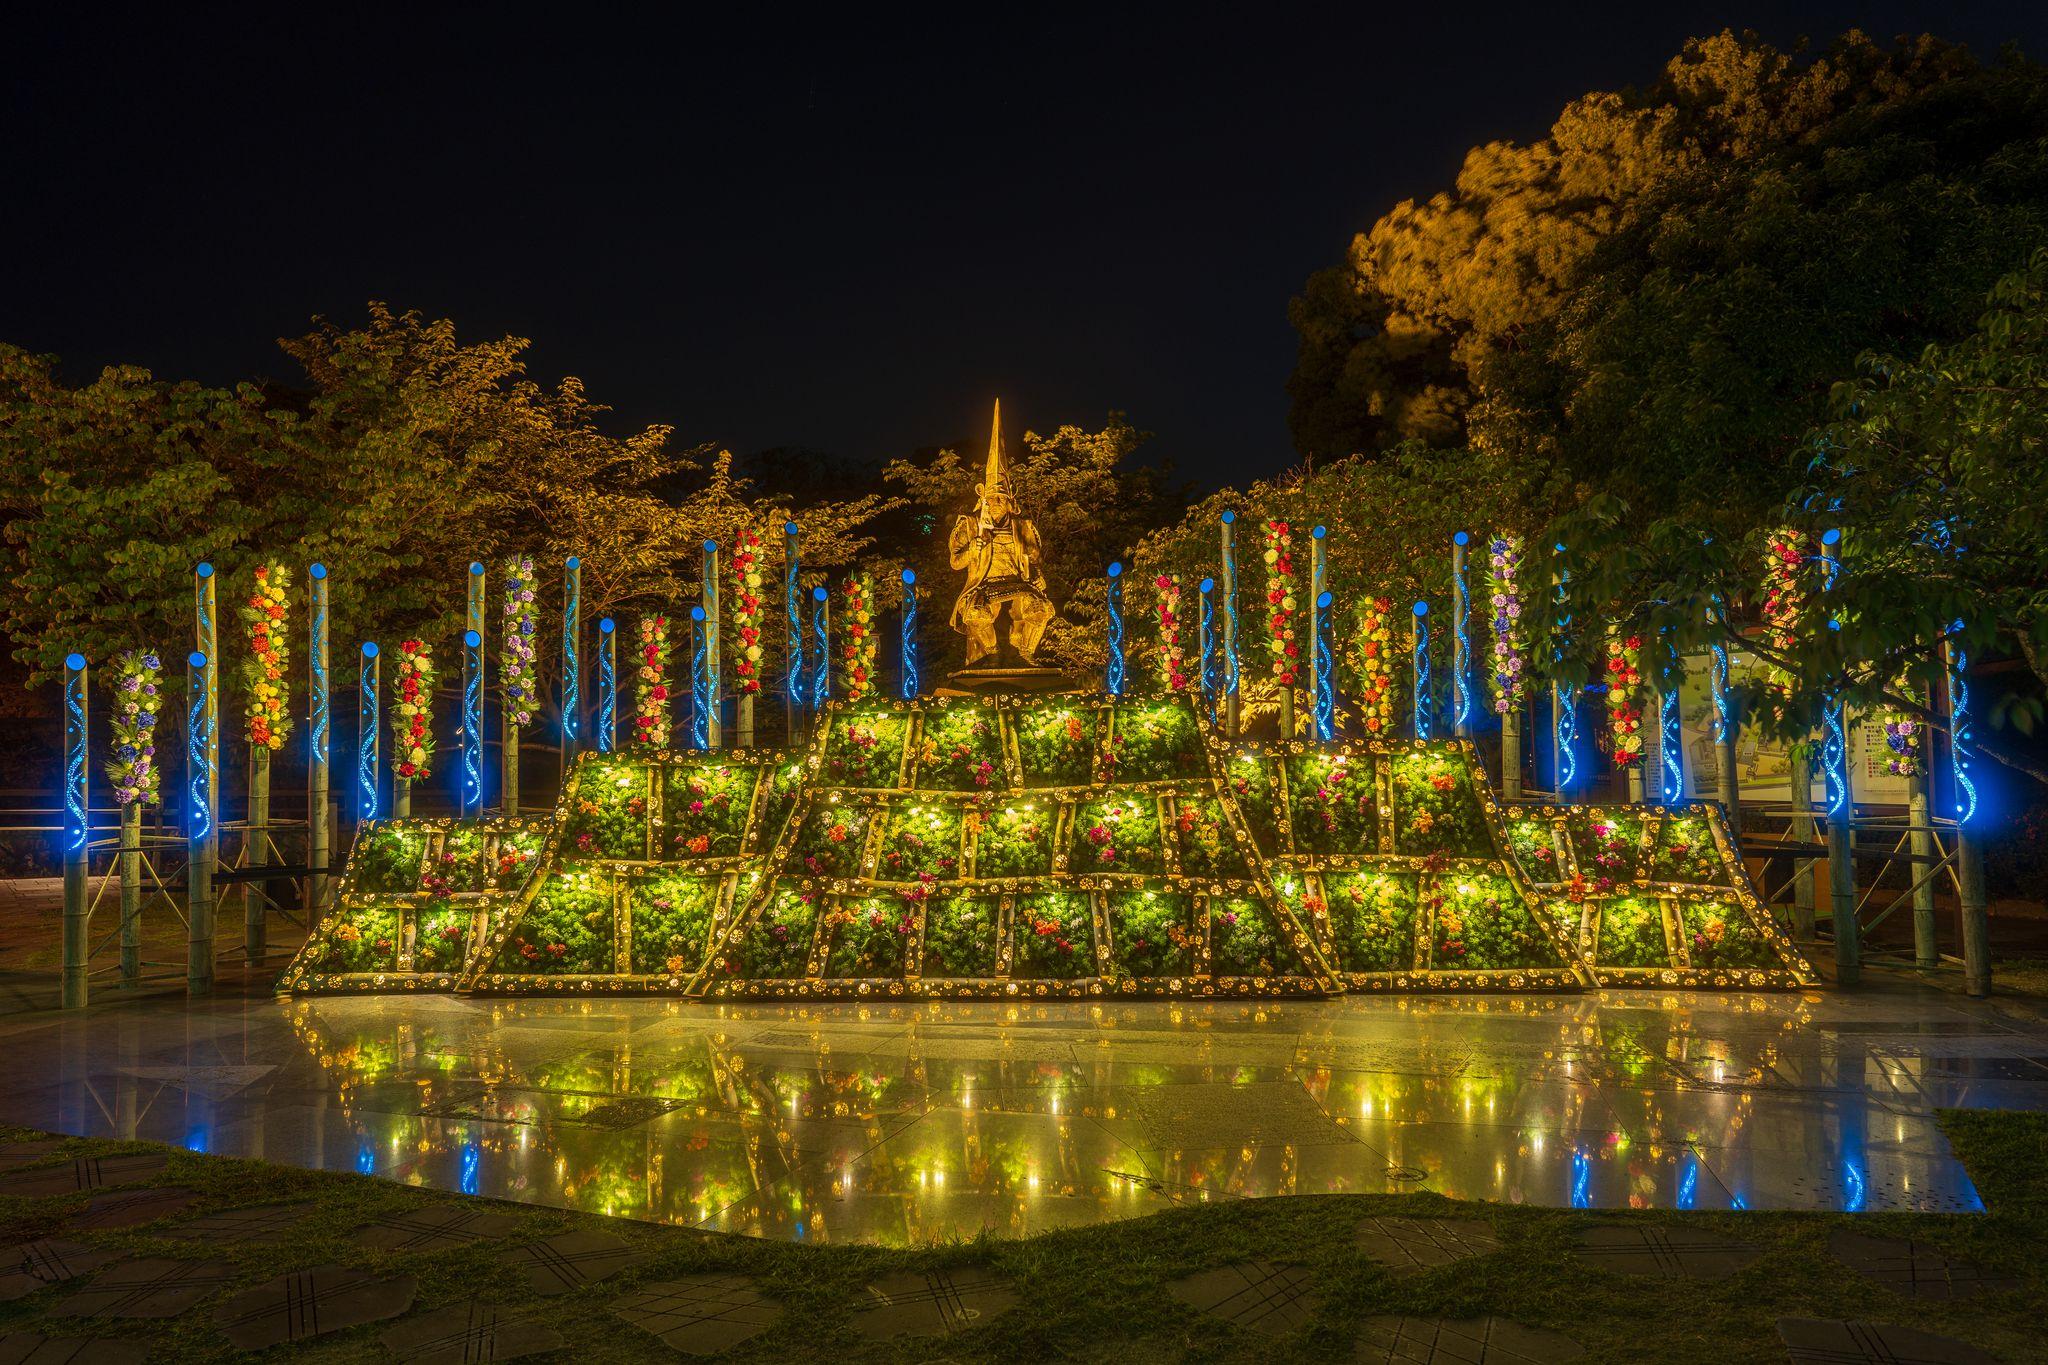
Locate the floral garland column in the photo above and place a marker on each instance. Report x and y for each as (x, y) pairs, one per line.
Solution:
(515, 669)
(1787, 596)
(859, 650)
(1376, 667)
(1510, 670)
(650, 691)
(266, 708)
(1624, 668)
(1280, 610)
(412, 722)
(1173, 670)
(746, 625)
(137, 781)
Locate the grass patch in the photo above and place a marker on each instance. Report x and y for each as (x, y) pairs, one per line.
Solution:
(1099, 1293)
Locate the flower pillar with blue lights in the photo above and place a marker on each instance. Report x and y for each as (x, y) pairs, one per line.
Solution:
(77, 913)
(607, 685)
(1510, 671)
(319, 734)
(137, 781)
(1113, 676)
(518, 689)
(821, 671)
(1461, 639)
(572, 662)
(199, 741)
(1969, 845)
(702, 729)
(206, 641)
(793, 644)
(1325, 668)
(911, 679)
(470, 796)
(710, 728)
(1564, 703)
(473, 660)
(1840, 799)
(1228, 587)
(369, 743)
(1419, 641)
(1210, 680)
(1727, 726)
(748, 658)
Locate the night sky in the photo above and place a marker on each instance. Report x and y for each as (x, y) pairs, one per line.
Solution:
(846, 240)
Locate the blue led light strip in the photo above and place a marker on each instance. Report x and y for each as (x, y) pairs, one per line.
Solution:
(1724, 704)
(821, 674)
(1326, 689)
(198, 738)
(911, 681)
(1565, 725)
(1461, 637)
(1114, 675)
(572, 686)
(317, 697)
(607, 685)
(1421, 710)
(1208, 644)
(74, 752)
(700, 683)
(472, 721)
(1230, 676)
(368, 750)
(1960, 752)
(1672, 746)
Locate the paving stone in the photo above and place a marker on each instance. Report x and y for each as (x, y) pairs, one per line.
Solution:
(83, 1173)
(257, 1223)
(1259, 1295)
(432, 1229)
(464, 1333)
(1827, 1341)
(27, 1348)
(557, 1264)
(38, 1265)
(311, 1303)
(1420, 1243)
(1673, 1253)
(1914, 1269)
(13, 1154)
(131, 1208)
(148, 1287)
(1467, 1341)
(935, 1304)
(700, 1314)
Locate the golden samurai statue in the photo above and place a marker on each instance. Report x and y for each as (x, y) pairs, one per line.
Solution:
(1005, 568)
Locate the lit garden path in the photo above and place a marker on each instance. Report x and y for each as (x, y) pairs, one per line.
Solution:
(923, 1121)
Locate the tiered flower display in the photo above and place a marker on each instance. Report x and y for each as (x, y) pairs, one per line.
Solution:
(1376, 667)
(515, 669)
(859, 650)
(131, 753)
(1625, 697)
(1172, 657)
(1510, 642)
(650, 697)
(746, 611)
(265, 688)
(412, 713)
(1280, 602)
(1785, 597)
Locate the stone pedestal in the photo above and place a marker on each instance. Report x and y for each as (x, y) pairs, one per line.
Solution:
(984, 682)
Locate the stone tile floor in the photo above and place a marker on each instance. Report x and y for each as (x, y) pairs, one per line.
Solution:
(906, 1123)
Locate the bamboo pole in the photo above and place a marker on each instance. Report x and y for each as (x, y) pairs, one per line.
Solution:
(77, 911)
(319, 826)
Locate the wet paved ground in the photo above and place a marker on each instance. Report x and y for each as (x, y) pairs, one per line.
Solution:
(915, 1122)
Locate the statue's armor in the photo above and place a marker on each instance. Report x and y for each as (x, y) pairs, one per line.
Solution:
(999, 549)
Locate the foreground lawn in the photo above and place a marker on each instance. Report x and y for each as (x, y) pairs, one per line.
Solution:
(1101, 1293)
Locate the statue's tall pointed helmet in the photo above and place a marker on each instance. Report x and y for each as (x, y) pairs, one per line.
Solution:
(997, 478)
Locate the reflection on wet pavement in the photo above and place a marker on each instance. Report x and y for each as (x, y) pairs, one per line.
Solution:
(916, 1122)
